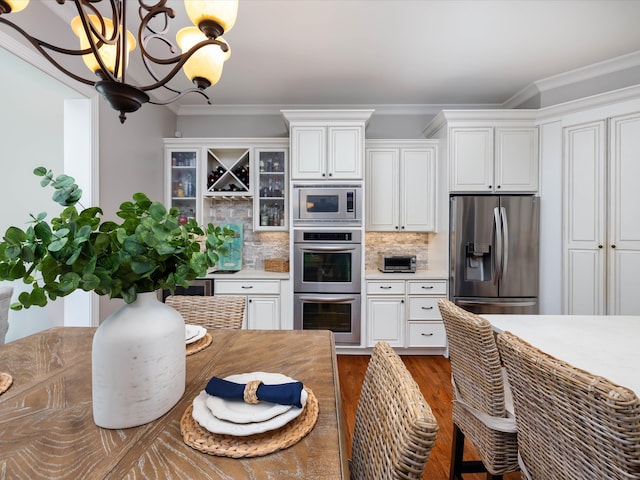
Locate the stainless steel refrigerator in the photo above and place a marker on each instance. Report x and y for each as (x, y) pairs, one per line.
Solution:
(494, 253)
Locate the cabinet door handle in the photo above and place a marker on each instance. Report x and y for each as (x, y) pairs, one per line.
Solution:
(247, 286)
(599, 246)
(427, 334)
(385, 287)
(489, 187)
(613, 246)
(427, 287)
(427, 308)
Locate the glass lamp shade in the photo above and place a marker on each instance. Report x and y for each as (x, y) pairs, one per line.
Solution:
(17, 5)
(108, 53)
(206, 62)
(223, 12)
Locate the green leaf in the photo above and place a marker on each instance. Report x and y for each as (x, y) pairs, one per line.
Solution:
(69, 282)
(43, 232)
(74, 256)
(90, 282)
(142, 265)
(58, 244)
(39, 171)
(15, 235)
(132, 246)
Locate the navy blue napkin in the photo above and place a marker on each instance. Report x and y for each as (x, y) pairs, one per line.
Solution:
(281, 393)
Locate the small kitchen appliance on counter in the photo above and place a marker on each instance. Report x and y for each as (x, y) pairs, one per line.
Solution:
(397, 263)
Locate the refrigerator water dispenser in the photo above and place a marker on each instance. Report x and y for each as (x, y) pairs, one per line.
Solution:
(478, 265)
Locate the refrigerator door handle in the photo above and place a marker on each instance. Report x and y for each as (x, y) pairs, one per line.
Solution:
(505, 242)
(498, 249)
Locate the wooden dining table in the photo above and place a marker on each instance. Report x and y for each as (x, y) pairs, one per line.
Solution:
(604, 345)
(47, 429)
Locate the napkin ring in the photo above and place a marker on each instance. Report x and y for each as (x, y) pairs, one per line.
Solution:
(251, 391)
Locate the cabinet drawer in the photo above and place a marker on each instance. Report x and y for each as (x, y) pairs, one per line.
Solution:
(424, 308)
(246, 287)
(429, 334)
(435, 287)
(394, 287)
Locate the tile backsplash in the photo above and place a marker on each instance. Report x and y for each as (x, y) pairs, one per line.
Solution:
(261, 245)
(396, 243)
(257, 245)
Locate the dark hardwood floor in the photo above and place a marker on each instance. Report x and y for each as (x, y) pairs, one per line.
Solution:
(432, 373)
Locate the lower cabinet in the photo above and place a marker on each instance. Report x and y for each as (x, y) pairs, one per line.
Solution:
(405, 313)
(263, 301)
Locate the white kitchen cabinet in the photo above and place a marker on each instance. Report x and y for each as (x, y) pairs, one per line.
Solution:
(263, 312)
(601, 228)
(327, 144)
(386, 313)
(400, 186)
(494, 159)
(263, 300)
(271, 199)
(181, 181)
(326, 152)
(405, 313)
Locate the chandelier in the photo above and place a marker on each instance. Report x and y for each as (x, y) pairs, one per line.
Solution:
(105, 44)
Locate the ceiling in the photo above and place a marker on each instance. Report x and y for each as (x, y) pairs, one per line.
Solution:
(409, 52)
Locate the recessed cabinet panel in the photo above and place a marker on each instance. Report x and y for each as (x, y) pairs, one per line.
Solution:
(516, 160)
(383, 208)
(471, 159)
(345, 153)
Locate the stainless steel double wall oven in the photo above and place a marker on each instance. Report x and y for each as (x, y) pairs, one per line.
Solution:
(327, 261)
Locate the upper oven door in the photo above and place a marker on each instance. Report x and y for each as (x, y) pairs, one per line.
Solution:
(327, 268)
(327, 205)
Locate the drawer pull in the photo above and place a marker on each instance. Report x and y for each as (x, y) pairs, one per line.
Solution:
(247, 286)
(427, 308)
(427, 334)
(427, 287)
(385, 287)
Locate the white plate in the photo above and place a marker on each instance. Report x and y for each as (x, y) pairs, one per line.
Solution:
(205, 418)
(238, 411)
(193, 333)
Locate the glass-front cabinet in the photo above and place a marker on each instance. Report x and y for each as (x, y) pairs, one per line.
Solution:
(182, 182)
(270, 195)
(201, 172)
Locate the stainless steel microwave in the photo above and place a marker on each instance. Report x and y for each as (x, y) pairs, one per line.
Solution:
(327, 204)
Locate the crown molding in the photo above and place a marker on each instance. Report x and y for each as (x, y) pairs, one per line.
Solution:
(589, 72)
(399, 109)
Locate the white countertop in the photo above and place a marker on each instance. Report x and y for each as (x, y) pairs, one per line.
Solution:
(249, 275)
(604, 345)
(419, 275)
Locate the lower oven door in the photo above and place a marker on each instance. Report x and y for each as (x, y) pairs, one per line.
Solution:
(338, 313)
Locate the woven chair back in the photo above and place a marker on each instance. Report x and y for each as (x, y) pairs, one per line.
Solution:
(394, 428)
(571, 424)
(210, 311)
(478, 376)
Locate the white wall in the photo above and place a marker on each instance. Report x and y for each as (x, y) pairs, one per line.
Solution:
(131, 161)
(32, 136)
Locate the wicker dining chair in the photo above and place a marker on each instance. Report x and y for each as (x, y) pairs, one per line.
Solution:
(571, 424)
(210, 311)
(394, 427)
(482, 406)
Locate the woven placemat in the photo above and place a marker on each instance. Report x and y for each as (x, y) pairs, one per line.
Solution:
(199, 345)
(5, 382)
(201, 439)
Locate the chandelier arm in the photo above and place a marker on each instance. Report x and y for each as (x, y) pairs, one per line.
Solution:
(182, 94)
(39, 44)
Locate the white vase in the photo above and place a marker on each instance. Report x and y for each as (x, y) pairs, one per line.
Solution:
(138, 363)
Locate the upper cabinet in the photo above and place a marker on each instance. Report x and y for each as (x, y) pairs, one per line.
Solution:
(400, 185)
(327, 144)
(181, 181)
(201, 172)
(489, 151)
